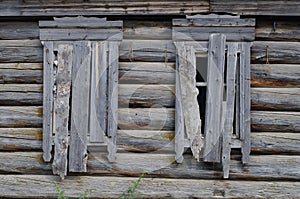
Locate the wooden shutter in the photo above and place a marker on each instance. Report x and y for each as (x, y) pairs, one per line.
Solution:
(227, 116)
(80, 89)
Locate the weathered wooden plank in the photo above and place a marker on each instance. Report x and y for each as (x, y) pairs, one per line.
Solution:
(214, 98)
(227, 130)
(146, 96)
(65, 34)
(22, 66)
(278, 99)
(214, 22)
(98, 103)
(48, 85)
(80, 106)
(75, 8)
(275, 143)
(19, 29)
(245, 137)
(203, 33)
(265, 7)
(112, 96)
(278, 52)
(146, 73)
(20, 43)
(278, 29)
(20, 116)
(146, 119)
(61, 108)
(148, 30)
(21, 54)
(261, 167)
(15, 76)
(275, 121)
(275, 75)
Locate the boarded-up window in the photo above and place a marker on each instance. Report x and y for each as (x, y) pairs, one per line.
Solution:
(80, 89)
(213, 73)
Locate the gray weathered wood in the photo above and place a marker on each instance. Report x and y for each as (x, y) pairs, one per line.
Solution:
(275, 75)
(21, 43)
(15, 76)
(22, 66)
(21, 54)
(214, 97)
(227, 130)
(214, 22)
(80, 106)
(48, 86)
(146, 73)
(75, 8)
(19, 30)
(278, 99)
(112, 118)
(19, 98)
(246, 125)
(98, 103)
(252, 7)
(61, 109)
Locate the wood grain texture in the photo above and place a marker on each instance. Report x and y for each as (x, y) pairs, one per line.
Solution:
(265, 7)
(24, 30)
(275, 75)
(261, 167)
(277, 99)
(278, 52)
(21, 54)
(75, 8)
(17, 76)
(146, 73)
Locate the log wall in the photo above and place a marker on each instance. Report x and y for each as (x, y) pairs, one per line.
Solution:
(146, 118)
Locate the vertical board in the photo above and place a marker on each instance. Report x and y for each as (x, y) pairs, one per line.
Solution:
(214, 97)
(63, 82)
(112, 120)
(80, 106)
(98, 102)
(245, 137)
(230, 99)
(48, 100)
(179, 122)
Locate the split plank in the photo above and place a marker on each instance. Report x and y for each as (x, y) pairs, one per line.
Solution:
(61, 109)
(214, 98)
(275, 75)
(80, 106)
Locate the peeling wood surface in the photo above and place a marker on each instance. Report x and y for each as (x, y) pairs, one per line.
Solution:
(261, 167)
(275, 75)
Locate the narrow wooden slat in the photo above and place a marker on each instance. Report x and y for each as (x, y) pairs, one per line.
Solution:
(230, 103)
(21, 76)
(19, 30)
(245, 137)
(214, 22)
(80, 106)
(20, 43)
(241, 113)
(214, 97)
(22, 66)
(48, 100)
(61, 108)
(98, 103)
(112, 119)
(21, 54)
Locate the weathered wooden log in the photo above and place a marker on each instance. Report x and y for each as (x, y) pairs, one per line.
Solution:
(252, 7)
(20, 116)
(21, 94)
(261, 167)
(138, 96)
(275, 121)
(18, 30)
(16, 76)
(146, 73)
(283, 99)
(275, 143)
(275, 75)
(114, 187)
(59, 8)
(21, 54)
(278, 29)
(20, 43)
(275, 52)
(146, 118)
(22, 66)
(148, 30)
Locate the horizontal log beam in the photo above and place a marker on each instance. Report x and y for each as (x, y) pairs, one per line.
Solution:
(275, 75)
(275, 121)
(282, 99)
(75, 8)
(18, 29)
(21, 54)
(260, 167)
(276, 52)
